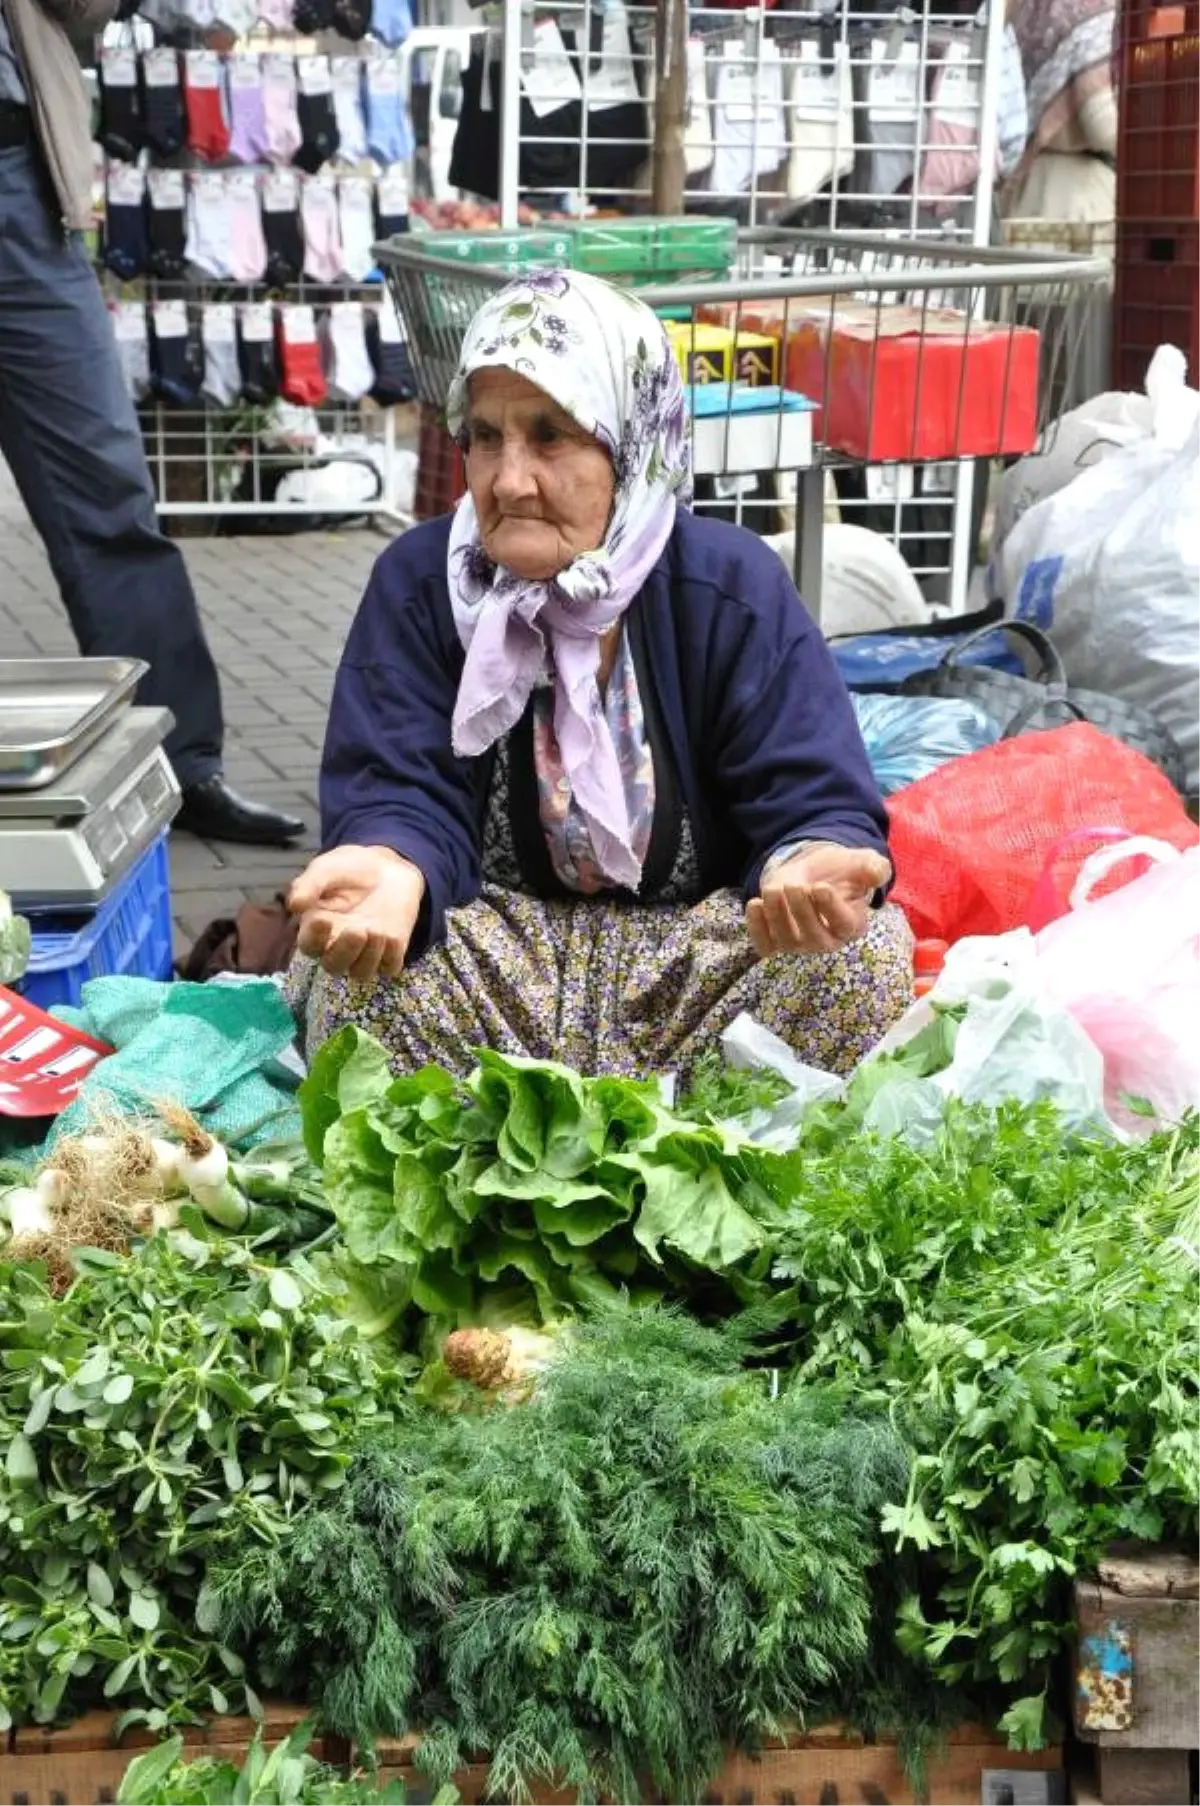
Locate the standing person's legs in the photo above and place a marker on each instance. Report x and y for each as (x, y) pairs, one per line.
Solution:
(70, 433)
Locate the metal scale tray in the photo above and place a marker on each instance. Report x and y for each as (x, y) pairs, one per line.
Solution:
(66, 845)
(53, 709)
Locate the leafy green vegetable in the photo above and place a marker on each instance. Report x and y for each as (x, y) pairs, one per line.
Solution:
(721, 1093)
(169, 1405)
(1026, 1304)
(285, 1776)
(647, 1561)
(557, 1191)
(16, 943)
(350, 1070)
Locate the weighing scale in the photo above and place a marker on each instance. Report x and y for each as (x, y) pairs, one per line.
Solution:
(110, 791)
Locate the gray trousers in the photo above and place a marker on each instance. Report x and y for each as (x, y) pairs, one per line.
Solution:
(69, 432)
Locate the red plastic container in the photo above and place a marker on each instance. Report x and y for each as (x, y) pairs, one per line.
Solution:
(928, 959)
(1157, 297)
(42, 1061)
(913, 384)
(1158, 168)
(441, 469)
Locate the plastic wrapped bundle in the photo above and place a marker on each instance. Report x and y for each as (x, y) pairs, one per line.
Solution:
(907, 737)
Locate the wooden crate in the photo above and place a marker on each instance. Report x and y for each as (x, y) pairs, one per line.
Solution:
(81, 1766)
(829, 1765)
(1136, 1694)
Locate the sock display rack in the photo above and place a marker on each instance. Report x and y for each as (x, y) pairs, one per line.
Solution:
(838, 116)
(248, 158)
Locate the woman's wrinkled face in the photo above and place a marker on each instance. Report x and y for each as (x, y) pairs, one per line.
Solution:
(541, 485)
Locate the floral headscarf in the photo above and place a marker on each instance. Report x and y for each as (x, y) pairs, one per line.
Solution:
(605, 359)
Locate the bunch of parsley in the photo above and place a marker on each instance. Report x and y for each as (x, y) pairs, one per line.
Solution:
(1025, 1303)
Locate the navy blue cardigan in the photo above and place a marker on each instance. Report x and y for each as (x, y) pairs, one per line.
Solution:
(765, 740)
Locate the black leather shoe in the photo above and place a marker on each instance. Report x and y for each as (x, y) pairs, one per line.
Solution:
(212, 811)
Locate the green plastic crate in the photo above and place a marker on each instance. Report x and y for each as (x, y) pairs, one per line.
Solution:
(510, 251)
(655, 250)
(613, 247)
(694, 245)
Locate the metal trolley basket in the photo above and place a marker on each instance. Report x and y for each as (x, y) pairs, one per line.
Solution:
(851, 364)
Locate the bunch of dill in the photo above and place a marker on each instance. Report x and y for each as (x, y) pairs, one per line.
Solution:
(649, 1561)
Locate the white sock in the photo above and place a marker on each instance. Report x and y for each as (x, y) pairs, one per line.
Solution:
(319, 214)
(348, 108)
(133, 345)
(348, 368)
(356, 216)
(237, 16)
(209, 245)
(222, 379)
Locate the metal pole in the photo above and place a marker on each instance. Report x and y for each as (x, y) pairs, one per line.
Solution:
(962, 549)
(510, 114)
(668, 167)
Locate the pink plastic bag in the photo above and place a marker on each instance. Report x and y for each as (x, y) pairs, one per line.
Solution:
(1049, 900)
(1127, 967)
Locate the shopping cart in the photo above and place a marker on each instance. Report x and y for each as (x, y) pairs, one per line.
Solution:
(877, 369)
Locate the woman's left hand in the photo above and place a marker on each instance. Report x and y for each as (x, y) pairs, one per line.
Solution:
(816, 902)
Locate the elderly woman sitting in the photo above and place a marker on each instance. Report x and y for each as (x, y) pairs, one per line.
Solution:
(592, 784)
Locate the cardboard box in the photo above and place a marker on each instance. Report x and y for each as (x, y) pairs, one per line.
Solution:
(756, 360)
(714, 354)
(704, 353)
(737, 430)
(914, 384)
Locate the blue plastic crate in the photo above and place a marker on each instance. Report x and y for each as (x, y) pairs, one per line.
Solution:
(128, 936)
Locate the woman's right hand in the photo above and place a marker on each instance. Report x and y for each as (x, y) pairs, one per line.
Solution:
(357, 908)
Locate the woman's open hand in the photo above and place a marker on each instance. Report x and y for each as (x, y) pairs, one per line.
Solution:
(357, 908)
(817, 901)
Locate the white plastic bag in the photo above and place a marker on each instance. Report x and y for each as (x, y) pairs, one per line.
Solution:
(1086, 436)
(1110, 567)
(1014, 1042)
(1127, 967)
(750, 1047)
(866, 585)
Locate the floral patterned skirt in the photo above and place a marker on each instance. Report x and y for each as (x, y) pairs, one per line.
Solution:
(625, 989)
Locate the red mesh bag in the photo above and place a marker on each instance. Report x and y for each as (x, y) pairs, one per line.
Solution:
(971, 841)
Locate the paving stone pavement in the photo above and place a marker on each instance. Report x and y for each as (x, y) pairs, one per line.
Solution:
(277, 611)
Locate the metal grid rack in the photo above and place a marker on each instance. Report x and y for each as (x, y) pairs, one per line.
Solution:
(236, 462)
(925, 354)
(844, 115)
(213, 461)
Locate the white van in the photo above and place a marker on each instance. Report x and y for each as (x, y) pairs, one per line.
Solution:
(432, 61)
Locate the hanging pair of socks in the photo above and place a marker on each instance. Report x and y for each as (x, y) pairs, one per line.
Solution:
(176, 356)
(301, 379)
(345, 359)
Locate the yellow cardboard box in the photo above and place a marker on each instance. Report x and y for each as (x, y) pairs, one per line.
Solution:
(756, 360)
(704, 353)
(714, 354)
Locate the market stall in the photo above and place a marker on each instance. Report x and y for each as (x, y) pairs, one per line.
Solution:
(553, 1436)
(737, 1432)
